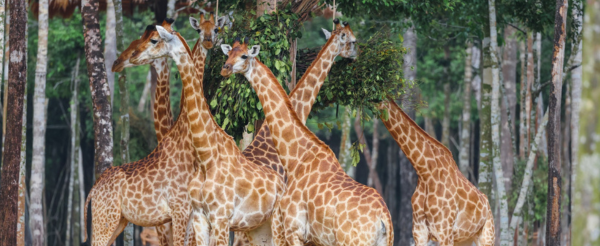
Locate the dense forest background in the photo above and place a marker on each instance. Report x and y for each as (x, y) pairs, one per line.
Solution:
(444, 60)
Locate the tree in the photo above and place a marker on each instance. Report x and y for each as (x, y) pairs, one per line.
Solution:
(554, 161)
(370, 155)
(110, 47)
(21, 224)
(40, 104)
(17, 78)
(103, 142)
(508, 105)
(466, 115)
(2, 15)
(575, 110)
(76, 186)
(345, 157)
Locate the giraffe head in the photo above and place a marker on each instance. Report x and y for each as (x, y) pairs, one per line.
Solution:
(344, 35)
(241, 58)
(123, 60)
(159, 43)
(208, 29)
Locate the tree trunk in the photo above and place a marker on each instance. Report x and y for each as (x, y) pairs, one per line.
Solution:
(530, 80)
(110, 47)
(171, 9)
(516, 216)
(485, 140)
(575, 110)
(345, 157)
(466, 115)
(2, 19)
(446, 120)
(522, 125)
(403, 168)
(17, 77)
(476, 82)
(22, 224)
(5, 81)
(142, 103)
(429, 127)
(370, 156)
(554, 165)
(76, 160)
(509, 72)
(100, 91)
(565, 142)
(585, 209)
(506, 238)
(40, 104)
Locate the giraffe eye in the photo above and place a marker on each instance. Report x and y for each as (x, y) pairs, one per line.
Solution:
(153, 41)
(244, 56)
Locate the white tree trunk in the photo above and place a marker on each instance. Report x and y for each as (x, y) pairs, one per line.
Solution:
(110, 47)
(145, 92)
(171, 8)
(575, 110)
(466, 115)
(506, 238)
(516, 216)
(345, 157)
(40, 104)
(75, 183)
(2, 15)
(523, 92)
(530, 80)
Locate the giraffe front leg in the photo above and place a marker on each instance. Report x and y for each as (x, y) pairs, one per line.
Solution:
(164, 233)
(219, 234)
(178, 227)
(198, 229)
(277, 228)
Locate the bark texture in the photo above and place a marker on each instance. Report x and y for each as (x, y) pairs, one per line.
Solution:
(17, 77)
(485, 140)
(575, 110)
(344, 156)
(465, 136)
(22, 224)
(76, 160)
(110, 46)
(100, 91)
(530, 80)
(2, 18)
(40, 104)
(447, 92)
(523, 93)
(509, 75)
(554, 160)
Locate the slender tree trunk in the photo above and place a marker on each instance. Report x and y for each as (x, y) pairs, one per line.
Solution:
(70, 188)
(516, 216)
(75, 159)
(566, 164)
(522, 124)
(2, 19)
(575, 110)
(429, 127)
(506, 238)
(509, 75)
(530, 80)
(370, 156)
(142, 104)
(466, 115)
(485, 140)
(110, 46)
(40, 104)
(171, 8)
(554, 165)
(17, 74)
(345, 157)
(22, 224)
(100, 91)
(585, 209)
(476, 82)
(5, 81)
(403, 169)
(447, 92)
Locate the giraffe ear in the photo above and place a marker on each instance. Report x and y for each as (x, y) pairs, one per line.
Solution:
(194, 23)
(226, 48)
(221, 21)
(327, 33)
(253, 52)
(164, 34)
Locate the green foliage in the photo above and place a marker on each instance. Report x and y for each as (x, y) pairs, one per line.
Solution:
(374, 76)
(232, 100)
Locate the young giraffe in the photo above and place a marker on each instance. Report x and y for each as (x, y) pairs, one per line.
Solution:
(236, 194)
(447, 208)
(322, 204)
(340, 42)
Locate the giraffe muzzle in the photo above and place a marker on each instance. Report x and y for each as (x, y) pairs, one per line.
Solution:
(226, 70)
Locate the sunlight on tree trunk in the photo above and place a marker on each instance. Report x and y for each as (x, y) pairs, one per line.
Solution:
(554, 161)
(103, 142)
(17, 77)
(21, 224)
(466, 115)
(40, 104)
(506, 238)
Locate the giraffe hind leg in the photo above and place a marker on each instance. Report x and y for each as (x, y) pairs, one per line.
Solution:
(487, 235)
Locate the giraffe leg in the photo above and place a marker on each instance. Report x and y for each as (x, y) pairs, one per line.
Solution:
(219, 235)
(165, 236)
(277, 227)
(199, 229)
(488, 235)
(104, 234)
(178, 224)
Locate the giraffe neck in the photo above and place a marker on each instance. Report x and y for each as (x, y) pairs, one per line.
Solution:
(292, 139)
(163, 118)
(417, 145)
(305, 93)
(203, 128)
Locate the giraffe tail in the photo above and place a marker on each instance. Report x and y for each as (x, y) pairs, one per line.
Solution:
(85, 214)
(388, 230)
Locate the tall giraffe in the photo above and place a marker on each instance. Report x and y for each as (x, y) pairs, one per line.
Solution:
(163, 120)
(322, 204)
(235, 193)
(447, 208)
(340, 42)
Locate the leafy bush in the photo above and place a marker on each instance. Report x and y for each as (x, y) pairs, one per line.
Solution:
(232, 100)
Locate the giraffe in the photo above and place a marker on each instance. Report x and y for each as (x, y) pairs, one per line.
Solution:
(322, 204)
(447, 208)
(262, 149)
(235, 193)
